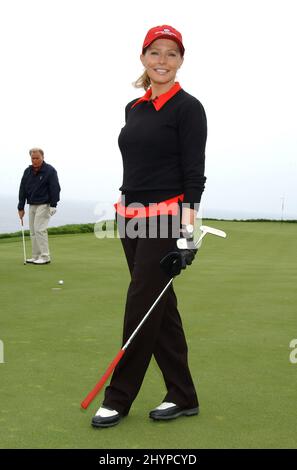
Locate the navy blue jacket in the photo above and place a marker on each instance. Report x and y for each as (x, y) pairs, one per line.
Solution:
(39, 188)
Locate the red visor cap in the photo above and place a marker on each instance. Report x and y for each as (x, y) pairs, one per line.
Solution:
(164, 31)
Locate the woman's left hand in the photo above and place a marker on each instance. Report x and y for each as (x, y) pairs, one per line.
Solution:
(180, 258)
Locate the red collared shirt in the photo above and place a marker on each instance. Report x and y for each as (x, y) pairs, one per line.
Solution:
(159, 101)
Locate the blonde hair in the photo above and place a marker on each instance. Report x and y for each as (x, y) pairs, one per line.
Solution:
(143, 81)
(35, 149)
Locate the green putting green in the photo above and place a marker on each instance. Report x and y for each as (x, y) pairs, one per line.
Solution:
(238, 304)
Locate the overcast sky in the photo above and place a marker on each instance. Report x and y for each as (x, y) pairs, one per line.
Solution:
(66, 73)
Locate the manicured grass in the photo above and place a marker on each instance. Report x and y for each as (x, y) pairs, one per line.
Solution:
(238, 304)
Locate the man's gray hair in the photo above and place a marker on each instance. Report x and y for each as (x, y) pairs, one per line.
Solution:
(35, 149)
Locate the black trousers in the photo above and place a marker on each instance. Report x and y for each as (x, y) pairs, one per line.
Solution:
(161, 335)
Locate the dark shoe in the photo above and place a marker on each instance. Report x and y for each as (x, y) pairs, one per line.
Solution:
(168, 411)
(106, 417)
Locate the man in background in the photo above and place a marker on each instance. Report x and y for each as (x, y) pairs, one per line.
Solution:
(41, 189)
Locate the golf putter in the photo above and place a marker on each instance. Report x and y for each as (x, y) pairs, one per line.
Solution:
(90, 397)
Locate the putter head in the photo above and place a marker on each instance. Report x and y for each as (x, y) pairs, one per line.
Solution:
(214, 231)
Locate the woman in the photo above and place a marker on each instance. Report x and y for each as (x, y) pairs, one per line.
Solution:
(163, 150)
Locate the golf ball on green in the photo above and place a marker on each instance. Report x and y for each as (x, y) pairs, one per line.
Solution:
(61, 282)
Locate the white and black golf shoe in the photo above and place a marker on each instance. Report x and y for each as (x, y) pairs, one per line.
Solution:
(167, 411)
(106, 417)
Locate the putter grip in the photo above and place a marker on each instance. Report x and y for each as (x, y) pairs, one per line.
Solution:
(90, 397)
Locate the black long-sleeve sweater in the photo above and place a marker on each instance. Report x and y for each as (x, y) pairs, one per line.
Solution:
(164, 151)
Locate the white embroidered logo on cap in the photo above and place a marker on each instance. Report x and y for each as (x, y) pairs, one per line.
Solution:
(167, 31)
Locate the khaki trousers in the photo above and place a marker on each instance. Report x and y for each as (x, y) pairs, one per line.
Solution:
(38, 221)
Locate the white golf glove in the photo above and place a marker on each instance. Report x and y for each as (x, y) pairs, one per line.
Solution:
(52, 210)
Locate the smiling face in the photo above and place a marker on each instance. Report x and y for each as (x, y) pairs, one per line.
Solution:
(162, 59)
